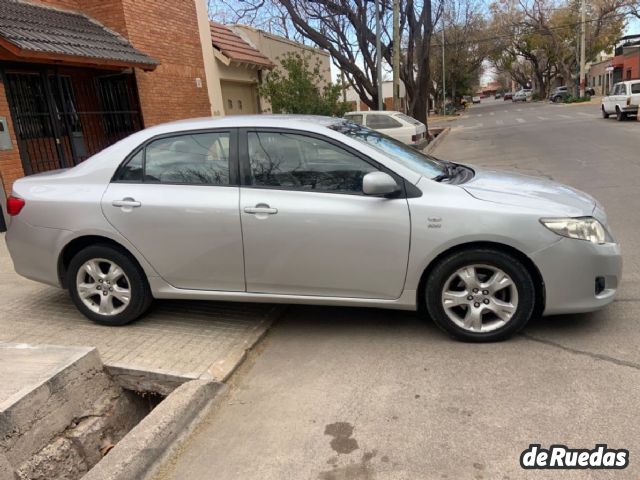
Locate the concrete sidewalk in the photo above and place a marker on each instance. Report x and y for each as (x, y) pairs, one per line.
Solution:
(176, 339)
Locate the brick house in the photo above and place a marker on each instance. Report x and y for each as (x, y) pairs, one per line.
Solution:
(78, 75)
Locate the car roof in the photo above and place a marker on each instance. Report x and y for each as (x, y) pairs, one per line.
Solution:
(242, 121)
(377, 112)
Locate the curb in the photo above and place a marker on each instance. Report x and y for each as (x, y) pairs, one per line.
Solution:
(138, 452)
(432, 146)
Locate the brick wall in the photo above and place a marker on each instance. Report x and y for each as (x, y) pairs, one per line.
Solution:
(108, 12)
(168, 31)
(10, 165)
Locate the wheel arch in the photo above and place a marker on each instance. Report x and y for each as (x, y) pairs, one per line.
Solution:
(80, 243)
(526, 261)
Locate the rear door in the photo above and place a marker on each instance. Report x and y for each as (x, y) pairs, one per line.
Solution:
(176, 200)
(308, 229)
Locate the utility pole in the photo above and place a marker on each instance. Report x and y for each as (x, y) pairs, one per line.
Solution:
(378, 55)
(396, 54)
(582, 47)
(444, 87)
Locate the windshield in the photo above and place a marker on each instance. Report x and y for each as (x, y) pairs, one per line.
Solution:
(398, 151)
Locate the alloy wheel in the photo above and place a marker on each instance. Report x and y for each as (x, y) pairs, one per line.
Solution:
(103, 287)
(480, 298)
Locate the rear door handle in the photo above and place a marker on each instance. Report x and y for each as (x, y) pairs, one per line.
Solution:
(261, 208)
(126, 202)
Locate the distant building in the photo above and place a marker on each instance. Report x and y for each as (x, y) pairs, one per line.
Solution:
(623, 65)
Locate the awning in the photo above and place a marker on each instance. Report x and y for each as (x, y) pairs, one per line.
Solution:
(233, 48)
(39, 33)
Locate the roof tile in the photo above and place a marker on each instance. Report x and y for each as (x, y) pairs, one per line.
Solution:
(236, 48)
(38, 28)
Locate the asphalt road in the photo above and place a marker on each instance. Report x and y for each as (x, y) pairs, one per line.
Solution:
(337, 393)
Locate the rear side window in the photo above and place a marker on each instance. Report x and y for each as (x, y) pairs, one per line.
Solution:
(354, 118)
(132, 170)
(193, 159)
(408, 119)
(380, 122)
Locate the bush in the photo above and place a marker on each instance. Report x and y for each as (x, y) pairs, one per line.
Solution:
(298, 87)
(572, 99)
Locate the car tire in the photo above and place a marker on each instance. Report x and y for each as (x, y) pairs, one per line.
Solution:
(604, 113)
(620, 115)
(557, 99)
(107, 285)
(502, 311)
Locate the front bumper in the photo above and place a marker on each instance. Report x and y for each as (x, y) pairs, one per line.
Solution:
(573, 272)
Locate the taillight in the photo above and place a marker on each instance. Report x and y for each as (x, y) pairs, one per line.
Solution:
(14, 205)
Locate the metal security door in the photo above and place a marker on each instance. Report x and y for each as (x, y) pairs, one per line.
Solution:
(37, 129)
(62, 118)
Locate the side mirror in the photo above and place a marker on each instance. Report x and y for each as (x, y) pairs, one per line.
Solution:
(379, 183)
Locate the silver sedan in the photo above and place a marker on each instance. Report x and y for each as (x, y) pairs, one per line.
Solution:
(310, 210)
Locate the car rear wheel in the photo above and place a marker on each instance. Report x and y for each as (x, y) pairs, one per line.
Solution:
(604, 113)
(557, 99)
(620, 115)
(107, 286)
(480, 295)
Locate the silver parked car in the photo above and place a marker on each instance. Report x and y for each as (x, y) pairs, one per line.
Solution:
(310, 210)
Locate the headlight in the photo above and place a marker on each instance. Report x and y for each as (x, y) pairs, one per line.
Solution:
(582, 228)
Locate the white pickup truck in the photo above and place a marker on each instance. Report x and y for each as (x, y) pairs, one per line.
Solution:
(623, 100)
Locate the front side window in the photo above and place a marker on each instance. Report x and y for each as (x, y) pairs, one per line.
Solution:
(194, 158)
(635, 87)
(298, 162)
(380, 122)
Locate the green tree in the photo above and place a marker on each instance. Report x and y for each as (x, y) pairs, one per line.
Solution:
(298, 87)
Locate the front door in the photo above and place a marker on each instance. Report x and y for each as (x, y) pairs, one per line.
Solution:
(176, 200)
(309, 230)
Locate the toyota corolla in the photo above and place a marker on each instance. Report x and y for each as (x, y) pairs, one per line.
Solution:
(314, 210)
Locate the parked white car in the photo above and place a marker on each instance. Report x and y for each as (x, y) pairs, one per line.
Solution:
(523, 95)
(396, 125)
(622, 101)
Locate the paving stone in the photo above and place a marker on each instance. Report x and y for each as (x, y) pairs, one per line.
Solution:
(182, 338)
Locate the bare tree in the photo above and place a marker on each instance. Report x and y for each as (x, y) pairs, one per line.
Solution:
(346, 29)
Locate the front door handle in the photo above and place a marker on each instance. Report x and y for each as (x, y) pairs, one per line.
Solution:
(261, 208)
(126, 202)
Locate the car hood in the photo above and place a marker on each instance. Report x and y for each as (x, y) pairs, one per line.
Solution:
(549, 197)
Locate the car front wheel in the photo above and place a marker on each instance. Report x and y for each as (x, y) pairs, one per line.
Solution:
(107, 286)
(480, 295)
